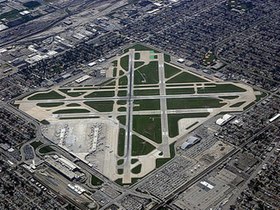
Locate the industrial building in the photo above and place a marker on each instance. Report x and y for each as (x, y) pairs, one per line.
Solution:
(225, 119)
(63, 166)
(191, 140)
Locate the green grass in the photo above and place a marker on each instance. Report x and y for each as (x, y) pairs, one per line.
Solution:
(228, 97)
(175, 91)
(121, 142)
(96, 181)
(45, 122)
(137, 56)
(185, 77)
(147, 74)
(122, 93)
(167, 58)
(162, 161)
(115, 63)
(101, 106)
(148, 126)
(221, 88)
(120, 162)
(115, 72)
(122, 119)
(123, 80)
(146, 92)
(137, 169)
(121, 102)
(124, 62)
(36, 144)
(138, 64)
(174, 118)
(140, 147)
(100, 94)
(73, 105)
(71, 111)
(259, 97)
(120, 171)
(72, 94)
(122, 109)
(133, 160)
(50, 104)
(46, 96)
(170, 70)
(194, 103)
(46, 149)
(238, 104)
(146, 104)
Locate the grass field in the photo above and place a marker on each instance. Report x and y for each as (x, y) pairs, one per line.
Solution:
(101, 106)
(185, 77)
(72, 94)
(120, 162)
(124, 61)
(147, 92)
(46, 149)
(100, 94)
(122, 119)
(122, 109)
(140, 147)
(170, 70)
(146, 104)
(176, 91)
(46, 96)
(49, 104)
(71, 111)
(238, 104)
(148, 126)
(121, 142)
(138, 64)
(95, 181)
(147, 74)
(194, 103)
(137, 169)
(137, 56)
(73, 105)
(122, 93)
(36, 144)
(174, 118)
(123, 80)
(228, 97)
(167, 58)
(221, 88)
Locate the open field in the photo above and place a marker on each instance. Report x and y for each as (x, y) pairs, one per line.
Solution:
(194, 103)
(148, 126)
(45, 96)
(174, 118)
(101, 106)
(221, 88)
(146, 104)
(140, 147)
